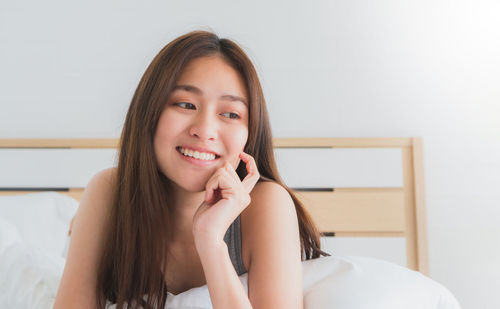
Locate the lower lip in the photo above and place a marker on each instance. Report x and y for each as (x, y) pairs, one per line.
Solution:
(197, 161)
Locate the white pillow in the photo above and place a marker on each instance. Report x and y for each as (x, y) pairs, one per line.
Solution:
(355, 282)
(29, 277)
(349, 282)
(42, 219)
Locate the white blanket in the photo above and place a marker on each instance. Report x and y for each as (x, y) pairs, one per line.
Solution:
(349, 282)
(30, 270)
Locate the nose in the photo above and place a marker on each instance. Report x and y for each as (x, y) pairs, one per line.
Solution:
(204, 127)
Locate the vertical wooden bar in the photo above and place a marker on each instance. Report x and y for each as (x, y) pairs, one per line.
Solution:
(420, 210)
(410, 216)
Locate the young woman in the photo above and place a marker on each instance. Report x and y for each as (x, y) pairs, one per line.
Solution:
(196, 197)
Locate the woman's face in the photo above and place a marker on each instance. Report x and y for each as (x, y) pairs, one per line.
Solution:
(206, 112)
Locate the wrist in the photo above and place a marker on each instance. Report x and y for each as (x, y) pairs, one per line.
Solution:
(208, 244)
(202, 235)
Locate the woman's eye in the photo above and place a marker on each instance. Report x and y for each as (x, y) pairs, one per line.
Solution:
(185, 105)
(232, 115)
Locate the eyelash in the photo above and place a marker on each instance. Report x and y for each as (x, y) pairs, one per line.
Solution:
(237, 116)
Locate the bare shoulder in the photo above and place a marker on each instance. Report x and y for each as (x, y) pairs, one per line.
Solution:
(78, 283)
(99, 192)
(271, 208)
(268, 199)
(269, 189)
(100, 187)
(268, 196)
(103, 179)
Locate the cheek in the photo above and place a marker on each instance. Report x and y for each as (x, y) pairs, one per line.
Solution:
(167, 126)
(236, 141)
(239, 139)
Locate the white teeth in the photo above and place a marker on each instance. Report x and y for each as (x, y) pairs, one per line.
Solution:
(197, 154)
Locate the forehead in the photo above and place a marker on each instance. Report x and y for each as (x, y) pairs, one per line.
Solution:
(211, 76)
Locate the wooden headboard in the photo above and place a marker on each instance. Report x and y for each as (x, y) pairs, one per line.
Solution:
(338, 211)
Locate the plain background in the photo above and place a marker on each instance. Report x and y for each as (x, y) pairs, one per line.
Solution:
(328, 68)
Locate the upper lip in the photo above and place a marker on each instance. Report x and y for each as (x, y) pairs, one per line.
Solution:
(199, 149)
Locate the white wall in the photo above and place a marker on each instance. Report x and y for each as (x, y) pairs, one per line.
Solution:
(329, 68)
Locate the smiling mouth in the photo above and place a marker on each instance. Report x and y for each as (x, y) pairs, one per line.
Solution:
(203, 156)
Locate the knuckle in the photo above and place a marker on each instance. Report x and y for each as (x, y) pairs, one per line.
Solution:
(224, 175)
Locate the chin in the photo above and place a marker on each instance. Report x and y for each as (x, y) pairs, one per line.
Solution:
(193, 187)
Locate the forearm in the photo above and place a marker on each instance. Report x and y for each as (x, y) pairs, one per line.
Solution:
(224, 286)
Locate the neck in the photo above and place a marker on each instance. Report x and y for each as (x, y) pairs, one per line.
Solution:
(184, 208)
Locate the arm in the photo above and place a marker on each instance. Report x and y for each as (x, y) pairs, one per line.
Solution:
(224, 286)
(78, 282)
(271, 229)
(275, 271)
(226, 196)
(270, 224)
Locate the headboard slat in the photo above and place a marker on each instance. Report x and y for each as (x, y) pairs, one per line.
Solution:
(357, 210)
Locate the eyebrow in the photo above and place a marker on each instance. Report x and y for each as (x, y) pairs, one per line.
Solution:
(198, 91)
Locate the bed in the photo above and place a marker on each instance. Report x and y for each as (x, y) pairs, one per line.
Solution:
(365, 194)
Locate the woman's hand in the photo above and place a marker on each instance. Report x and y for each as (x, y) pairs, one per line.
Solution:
(226, 196)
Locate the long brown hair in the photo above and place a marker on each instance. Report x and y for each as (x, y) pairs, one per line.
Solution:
(137, 240)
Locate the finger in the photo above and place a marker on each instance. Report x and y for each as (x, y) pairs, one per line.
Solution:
(210, 183)
(253, 173)
(221, 180)
(211, 186)
(232, 172)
